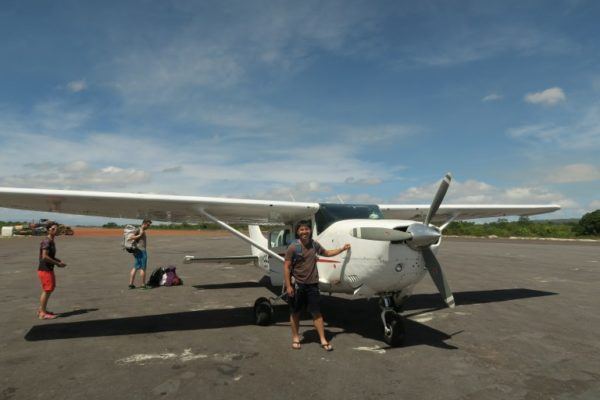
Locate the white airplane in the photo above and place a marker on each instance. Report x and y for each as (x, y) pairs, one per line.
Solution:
(391, 249)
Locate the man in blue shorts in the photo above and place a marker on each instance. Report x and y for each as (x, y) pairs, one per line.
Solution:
(140, 255)
(301, 264)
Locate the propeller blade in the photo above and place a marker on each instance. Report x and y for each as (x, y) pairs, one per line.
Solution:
(438, 198)
(435, 270)
(381, 234)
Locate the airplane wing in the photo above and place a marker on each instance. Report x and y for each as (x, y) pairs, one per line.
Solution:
(463, 212)
(155, 206)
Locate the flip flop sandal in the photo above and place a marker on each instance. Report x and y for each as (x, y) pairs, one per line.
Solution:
(296, 345)
(327, 346)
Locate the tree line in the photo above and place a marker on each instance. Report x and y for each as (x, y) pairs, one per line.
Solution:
(587, 226)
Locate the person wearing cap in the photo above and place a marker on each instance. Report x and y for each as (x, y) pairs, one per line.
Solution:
(140, 255)
(301, 265)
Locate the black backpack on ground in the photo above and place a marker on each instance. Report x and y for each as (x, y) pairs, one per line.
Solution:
(155, 277)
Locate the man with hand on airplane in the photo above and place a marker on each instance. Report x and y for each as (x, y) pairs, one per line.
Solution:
(301, 264)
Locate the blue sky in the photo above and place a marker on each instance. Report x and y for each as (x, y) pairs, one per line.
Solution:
(315, 100)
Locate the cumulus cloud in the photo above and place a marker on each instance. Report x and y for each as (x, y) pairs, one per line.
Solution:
(575, 173)
(477, 192)
(77, 86)
(548, 97)
(492, 97)
(301, 191)
(77, 174)
(358, 198)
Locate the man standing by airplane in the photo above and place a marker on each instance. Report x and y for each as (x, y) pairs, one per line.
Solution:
(46, 265)
(140, 255)
(301, 264)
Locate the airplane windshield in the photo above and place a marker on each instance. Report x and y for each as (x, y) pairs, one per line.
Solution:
(330, 213)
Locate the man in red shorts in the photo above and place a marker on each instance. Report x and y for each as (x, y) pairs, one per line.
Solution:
(46, 270)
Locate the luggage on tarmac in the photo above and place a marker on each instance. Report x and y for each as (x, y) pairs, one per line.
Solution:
(164, 276)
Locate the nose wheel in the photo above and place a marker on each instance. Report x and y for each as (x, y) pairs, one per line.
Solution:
(393, 323)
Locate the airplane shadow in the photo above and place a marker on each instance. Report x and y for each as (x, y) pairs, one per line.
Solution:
(263, 282)
(351, 316)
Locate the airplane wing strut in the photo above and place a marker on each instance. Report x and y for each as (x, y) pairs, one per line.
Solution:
(240, 235)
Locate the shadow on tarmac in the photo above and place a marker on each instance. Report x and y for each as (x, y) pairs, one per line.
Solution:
(360, 316)
(76, 312)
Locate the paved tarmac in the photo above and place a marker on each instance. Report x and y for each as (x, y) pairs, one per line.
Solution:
(526, 326)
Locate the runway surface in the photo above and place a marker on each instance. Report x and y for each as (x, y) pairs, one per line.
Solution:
(526, 326)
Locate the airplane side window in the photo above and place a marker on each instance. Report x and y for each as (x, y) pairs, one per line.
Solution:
(280, 238)
(273, 238)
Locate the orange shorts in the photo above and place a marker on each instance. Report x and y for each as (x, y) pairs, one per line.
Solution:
(48, 280)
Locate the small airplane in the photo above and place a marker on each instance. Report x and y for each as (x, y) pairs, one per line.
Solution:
(392, 250)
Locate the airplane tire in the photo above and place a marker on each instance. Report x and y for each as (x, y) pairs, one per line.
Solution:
(395, 336)
(263, 311)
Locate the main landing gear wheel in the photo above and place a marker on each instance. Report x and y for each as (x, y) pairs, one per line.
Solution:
(263, 311)
(393, 329)
(393, 324)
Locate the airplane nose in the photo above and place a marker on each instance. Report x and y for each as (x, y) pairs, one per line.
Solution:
(423, 235)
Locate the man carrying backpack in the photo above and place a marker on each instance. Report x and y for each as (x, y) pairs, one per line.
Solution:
(301, 263)
(140, 254)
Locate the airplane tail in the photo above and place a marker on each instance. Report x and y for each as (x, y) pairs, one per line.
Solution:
(256, 235)
(273, 266)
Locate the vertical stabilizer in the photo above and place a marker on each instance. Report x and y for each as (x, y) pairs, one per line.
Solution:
(262, 259)
(256, 235)
(273, 266)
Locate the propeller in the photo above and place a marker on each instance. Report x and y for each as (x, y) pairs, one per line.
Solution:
(437, 199)
(435, 271)
(420, 237)
(430, 232)
(381, 234)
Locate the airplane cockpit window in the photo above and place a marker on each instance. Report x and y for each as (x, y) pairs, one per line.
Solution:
(330, 213)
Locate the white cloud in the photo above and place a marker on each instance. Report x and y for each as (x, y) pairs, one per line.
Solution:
(594, 205)
(76, 174)
(575, 173)
(301, 191)
(77, 86)
(464, 44)
(359, 198)
(57, 116)
(548, 97)
(492, 97)
(477, 192)
(365, 181)
(583, 134)
(168, 170)
(235, 164)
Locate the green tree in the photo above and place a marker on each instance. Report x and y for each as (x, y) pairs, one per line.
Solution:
(589, 224)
